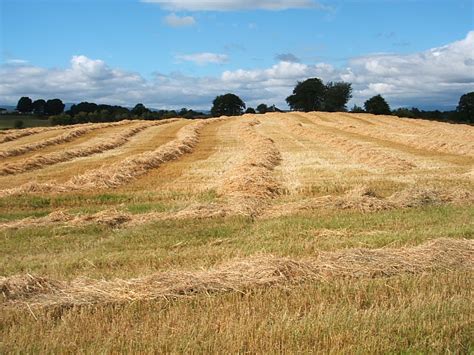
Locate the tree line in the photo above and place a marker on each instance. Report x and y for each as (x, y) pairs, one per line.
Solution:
(309, 95)
(86, 112)
(313, 95)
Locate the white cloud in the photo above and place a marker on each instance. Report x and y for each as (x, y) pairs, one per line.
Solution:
(204, 58)
(174, 20)
(232, 5)
(436, 77)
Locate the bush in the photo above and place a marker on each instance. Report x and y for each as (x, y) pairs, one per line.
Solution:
(18, 124)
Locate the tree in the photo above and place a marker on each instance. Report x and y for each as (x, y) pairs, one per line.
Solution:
(139, 110)
(337, 96)
(377, 106)
(24, 105)
(54, 107)
(307, 96)
(465, 109)
(83, 107)
(227, 105)
(357, 109)
(250, 110)
(403, 112)
(39, 107)
(262, 108)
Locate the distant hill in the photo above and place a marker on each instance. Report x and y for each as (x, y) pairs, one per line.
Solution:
(9, 108)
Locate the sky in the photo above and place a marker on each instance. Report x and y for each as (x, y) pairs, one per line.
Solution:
(182, 53)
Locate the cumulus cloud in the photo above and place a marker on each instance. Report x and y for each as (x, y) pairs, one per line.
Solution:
(433, 78)
(174, 20)
(204, 58)
(438, 75)
(232, 5)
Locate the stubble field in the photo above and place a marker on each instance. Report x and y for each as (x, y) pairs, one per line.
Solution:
(284, 232)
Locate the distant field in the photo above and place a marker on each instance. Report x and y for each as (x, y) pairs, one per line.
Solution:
(284, 232)
(8, 121)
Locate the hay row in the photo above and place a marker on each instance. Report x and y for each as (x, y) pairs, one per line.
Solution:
(250, 183)
(13, 134)
(364, 199)
(365, 153)
(361, 199)
(122, 172)
(437, 138)
(41, 161)
(63, 138)
(244, 189)
(442, 130)
(262, 271)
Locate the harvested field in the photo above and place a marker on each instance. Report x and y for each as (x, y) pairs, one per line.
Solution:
(50, 137)
(240, 275)
(98, 145)
(238, 234)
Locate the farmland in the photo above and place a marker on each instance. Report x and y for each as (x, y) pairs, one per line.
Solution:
(284, 232)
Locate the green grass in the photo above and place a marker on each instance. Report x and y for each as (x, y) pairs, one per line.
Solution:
(8, 121)
(103, 252)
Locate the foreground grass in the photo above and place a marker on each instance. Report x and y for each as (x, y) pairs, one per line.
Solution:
(425, 313)
(416, 314)
(101, 252)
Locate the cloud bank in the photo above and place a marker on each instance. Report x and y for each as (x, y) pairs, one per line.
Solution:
(433, 78)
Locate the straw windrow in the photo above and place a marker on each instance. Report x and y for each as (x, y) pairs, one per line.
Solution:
(41, 161)
(439, 255)
(14, 134)
(122, 172)
(365, 153)
(63, 138)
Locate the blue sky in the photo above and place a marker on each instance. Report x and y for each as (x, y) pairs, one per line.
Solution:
(173, 53)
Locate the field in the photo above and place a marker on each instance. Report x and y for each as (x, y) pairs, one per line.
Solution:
(284, 232)
(8, 121)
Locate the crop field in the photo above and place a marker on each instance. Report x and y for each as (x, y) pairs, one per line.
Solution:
(276, 233)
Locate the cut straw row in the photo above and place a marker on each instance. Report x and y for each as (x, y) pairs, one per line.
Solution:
(262, 271)
(124, 171)
(40, 161)
(364, 152)
(63, 138)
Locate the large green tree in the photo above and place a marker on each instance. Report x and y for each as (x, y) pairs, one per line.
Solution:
(227, 105)
(465, 109)
(377, 106)
(262, 108)
(39, 107)
(337, 96)
(24, 105)
(307, 96)
(140, 110)
(54, 107)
